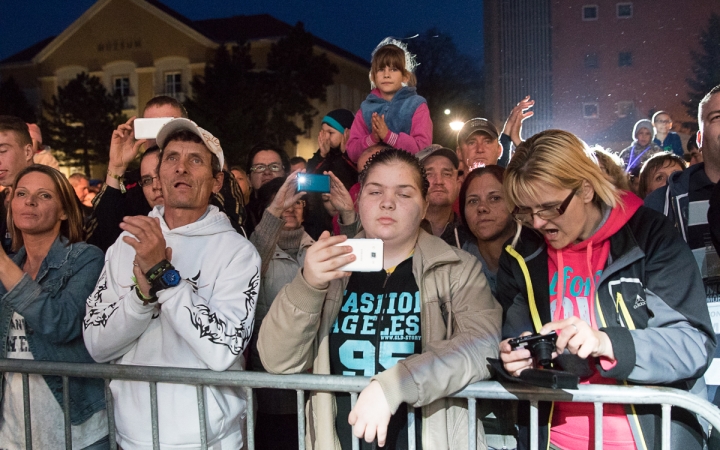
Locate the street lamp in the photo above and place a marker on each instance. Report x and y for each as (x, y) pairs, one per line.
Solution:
(447, 112)
(456, 125)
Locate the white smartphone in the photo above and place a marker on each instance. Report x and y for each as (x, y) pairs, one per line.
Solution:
(368, 255)
(149, 128)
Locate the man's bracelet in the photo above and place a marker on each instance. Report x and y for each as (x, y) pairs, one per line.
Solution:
(141, 296)
(157, 270)
(146, 300)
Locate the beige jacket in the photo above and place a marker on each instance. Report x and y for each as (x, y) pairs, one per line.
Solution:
(294, 337)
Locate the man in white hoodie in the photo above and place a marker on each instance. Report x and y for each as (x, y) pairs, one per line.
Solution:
(178, 289)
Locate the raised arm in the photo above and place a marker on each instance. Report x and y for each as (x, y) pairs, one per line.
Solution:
(123, 149)
(267, 232)
(513, 124)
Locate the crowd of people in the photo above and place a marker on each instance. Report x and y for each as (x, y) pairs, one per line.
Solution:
(189, 262)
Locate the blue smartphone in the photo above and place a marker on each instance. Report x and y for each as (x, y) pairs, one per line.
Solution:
(308, 182)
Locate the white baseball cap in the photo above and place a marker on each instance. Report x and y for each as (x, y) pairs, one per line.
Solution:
(211, 142)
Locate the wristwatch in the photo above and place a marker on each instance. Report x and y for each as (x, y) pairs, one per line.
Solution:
(162, 276)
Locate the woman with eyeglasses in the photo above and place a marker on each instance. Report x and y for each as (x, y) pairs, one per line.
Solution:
(617, 284)
(264, 163)
(282, 242)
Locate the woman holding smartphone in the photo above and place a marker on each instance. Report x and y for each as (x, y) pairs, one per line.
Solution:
(281, 242)
(422, 327)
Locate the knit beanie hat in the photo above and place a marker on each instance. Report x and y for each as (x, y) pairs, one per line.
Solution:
(340, 119)
(644, 123)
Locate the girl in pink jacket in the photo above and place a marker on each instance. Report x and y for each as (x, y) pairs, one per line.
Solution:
(392, 113)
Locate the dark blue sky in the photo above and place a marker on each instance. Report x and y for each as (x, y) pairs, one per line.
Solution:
(354, 25)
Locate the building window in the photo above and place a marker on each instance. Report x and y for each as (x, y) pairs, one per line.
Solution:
(590, 12)
(624, 59)
(121, 85)
(624, 108)
(591, 61)
(590, 110)
(173, 83)
(624, 10)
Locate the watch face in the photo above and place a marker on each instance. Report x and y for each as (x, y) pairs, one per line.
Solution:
(171, 277)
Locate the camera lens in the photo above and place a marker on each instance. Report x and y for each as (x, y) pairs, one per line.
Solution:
(543, 352)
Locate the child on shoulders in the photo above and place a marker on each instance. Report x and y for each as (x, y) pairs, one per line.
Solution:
(393, 112)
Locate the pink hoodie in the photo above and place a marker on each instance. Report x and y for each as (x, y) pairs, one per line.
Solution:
(581, 265)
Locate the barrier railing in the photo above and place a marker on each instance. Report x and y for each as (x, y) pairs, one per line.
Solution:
(596, 394)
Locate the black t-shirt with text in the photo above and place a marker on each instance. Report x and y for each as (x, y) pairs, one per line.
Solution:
(378, 325)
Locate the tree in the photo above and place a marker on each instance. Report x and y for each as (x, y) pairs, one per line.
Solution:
(705, 67)
(80, 120)
(448, 79)
(242, 106)
(13, 101)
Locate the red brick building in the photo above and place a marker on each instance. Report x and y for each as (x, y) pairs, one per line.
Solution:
(604, 64)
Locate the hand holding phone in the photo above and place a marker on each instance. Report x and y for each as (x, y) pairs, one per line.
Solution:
(308, 182)
(149, 128)
(368, 255)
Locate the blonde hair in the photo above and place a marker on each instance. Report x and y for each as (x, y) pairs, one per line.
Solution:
(559, 159)
(72, 227)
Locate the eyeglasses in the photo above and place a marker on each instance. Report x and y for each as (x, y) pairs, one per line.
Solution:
(274, 167)
(664, 121)
(525, 215)
(300, 204)
(147, 181)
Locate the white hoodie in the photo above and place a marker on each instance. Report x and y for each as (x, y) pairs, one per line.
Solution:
(205, 322)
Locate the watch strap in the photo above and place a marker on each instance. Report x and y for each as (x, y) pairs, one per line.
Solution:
(157, 270)
(158, 283)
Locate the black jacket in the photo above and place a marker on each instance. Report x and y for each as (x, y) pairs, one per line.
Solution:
(651, 303)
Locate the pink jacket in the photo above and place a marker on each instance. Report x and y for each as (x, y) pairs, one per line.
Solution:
(420, 134)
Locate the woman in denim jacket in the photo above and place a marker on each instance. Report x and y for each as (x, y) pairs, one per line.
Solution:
(43, 288)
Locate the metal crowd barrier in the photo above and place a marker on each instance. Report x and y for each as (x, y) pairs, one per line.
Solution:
(596, 394)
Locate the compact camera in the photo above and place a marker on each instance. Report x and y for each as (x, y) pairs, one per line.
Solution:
(541, 346)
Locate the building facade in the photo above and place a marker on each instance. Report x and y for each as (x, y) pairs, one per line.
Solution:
(142, 48)
(610, 62)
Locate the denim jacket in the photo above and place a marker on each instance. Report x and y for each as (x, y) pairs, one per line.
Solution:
(53, 306)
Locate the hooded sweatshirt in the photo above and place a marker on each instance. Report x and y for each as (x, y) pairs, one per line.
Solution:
(204, 322)
(635, 156)
(580, 266)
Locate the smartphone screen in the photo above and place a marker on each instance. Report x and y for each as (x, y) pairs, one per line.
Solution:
(308, 182)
